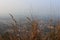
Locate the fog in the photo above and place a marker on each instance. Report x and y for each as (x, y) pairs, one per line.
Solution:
(27, 7)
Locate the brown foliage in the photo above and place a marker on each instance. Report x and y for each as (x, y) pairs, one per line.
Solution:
(34, 34)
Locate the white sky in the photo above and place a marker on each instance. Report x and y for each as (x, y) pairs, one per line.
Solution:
(22, 7)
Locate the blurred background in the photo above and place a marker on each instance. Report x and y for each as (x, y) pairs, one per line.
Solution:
(22, 8)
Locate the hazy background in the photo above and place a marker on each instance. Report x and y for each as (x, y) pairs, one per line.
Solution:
(27, 7)
(22, 8)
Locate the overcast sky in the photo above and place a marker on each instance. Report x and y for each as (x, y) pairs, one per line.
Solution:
(24, 7)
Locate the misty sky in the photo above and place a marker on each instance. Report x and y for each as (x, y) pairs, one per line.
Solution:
(28, 7)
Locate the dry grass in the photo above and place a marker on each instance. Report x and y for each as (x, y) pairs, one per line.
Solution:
(33, 34)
